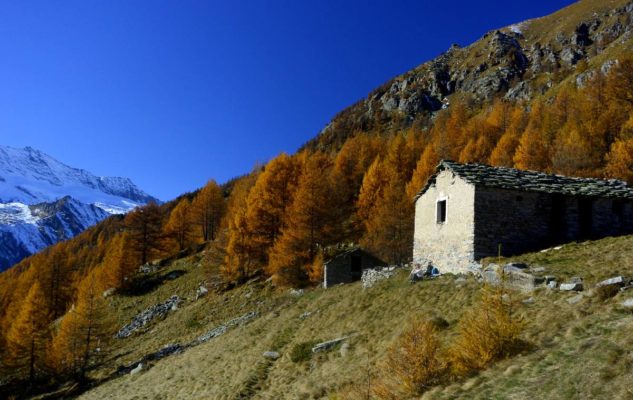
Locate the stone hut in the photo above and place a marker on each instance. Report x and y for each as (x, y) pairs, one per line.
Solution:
(466, 212)
(348, 266)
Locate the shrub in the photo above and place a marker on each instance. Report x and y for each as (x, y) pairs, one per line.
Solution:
(606, 292)
(415, 362)
(302, 351)
(486, 333)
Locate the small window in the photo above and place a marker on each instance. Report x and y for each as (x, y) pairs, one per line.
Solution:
(441, 211)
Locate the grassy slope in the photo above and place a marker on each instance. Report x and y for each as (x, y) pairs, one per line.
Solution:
(581, 350)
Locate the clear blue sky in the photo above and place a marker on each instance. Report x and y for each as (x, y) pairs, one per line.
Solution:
(172, 93)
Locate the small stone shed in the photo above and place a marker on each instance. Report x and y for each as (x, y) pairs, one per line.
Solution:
(348, 266)
(466, 211)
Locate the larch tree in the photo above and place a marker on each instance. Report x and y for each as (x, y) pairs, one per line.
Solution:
(620, 82)
(423, 170)
(207, 210)
(503, 153)
(84, 332)
(572, 154)
(309, 226)
(54, 276)
(533, 151)
(389, 229)
(119, 264)
(27, 337)
(241, 256)
(620, 160)
(268, 200)
(144, 225)
(374, 182)
(180, 224)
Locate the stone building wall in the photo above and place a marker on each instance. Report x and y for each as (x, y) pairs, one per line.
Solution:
(527, 221)
(339, 269)
(450, 245)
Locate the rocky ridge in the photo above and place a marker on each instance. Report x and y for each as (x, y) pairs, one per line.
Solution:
(518, 63)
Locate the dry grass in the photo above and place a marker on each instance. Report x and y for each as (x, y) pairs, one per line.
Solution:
(580, 350)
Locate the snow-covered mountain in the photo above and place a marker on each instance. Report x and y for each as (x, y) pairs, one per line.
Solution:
(43, 201)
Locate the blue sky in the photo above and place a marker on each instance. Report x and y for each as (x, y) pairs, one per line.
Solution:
(173, 93)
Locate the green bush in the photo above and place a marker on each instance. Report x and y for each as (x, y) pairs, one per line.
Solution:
(302, 351)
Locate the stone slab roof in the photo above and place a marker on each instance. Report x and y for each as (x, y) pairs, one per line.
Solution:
(531, 181)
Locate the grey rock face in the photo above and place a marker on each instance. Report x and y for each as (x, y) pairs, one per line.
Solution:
(144, 318)
(615, 281)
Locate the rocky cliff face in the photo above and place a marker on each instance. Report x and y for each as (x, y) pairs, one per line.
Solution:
(43, 201)
(518, 62)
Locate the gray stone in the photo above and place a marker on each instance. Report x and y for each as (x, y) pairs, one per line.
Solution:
(615, 281)
(628, 303)
(325, 346)
(201, 292)
(372, 276)
(222, 329)
(296, 292)
(144, 318)
(529, 300)
(552, 284)
(538, 269)
(109, 292)
(136, 370)
(273, 355)
(567, 287)
(305, 315)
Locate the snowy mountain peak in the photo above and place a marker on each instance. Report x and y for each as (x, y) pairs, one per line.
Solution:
(43, 201)
(30, 176)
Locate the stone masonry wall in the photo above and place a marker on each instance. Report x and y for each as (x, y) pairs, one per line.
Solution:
(339, 269)
(449, 246)
(526, 221)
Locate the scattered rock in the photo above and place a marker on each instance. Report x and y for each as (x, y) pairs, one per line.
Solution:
(142, 319)
(273, 355)
(222, 329)
(305, 315)
(575, 284)
(537, 269)
(628, 303)
(148, 268)
(512, 275)
(371, 276)
(529, 300)
(201, 292)
(615, 281)
(296, 292)
(109, 292)
(552, 284)
(325, 346)
(166, 351)
(136, 370)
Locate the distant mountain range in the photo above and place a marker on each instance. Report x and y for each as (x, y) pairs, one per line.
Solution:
(43, 201)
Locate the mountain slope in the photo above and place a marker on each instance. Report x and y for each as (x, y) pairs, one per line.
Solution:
(518, 62)
(43, 201)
